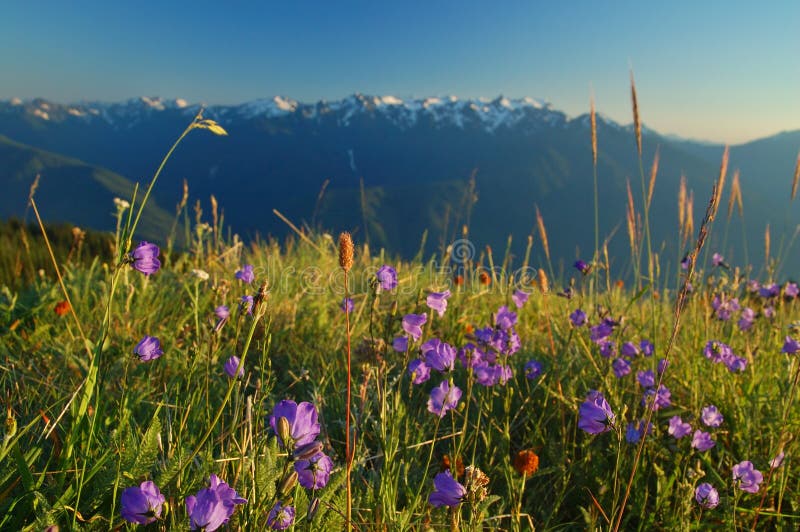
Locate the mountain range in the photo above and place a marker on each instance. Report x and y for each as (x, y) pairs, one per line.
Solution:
(390, 169)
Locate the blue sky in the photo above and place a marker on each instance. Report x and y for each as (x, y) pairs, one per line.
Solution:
(725, 71)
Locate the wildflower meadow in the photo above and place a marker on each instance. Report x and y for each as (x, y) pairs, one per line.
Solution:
(318, 384)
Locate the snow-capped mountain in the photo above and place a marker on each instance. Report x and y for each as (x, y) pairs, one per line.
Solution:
(442, 112)
(414, 157)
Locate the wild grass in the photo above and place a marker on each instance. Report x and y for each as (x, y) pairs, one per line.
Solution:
(87, 419)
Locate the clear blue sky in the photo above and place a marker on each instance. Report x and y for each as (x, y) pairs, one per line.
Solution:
(725, 71)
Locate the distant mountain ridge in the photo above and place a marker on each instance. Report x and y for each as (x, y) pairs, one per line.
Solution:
(414, 158)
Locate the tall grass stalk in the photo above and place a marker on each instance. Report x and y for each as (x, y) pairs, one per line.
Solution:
(705, 228)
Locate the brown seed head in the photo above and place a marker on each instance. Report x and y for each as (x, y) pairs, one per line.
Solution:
(541, 278)
(526, 462)
(346, 251)
(637, 124)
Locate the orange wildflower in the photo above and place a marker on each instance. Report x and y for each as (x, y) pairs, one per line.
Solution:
(61, 308)
(526, 462)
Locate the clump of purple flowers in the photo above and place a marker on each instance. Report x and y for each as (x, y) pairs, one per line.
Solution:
(790, 346)
(142, 504)
(717, 352)
(724, 307)
(595, 413)
(213, 506)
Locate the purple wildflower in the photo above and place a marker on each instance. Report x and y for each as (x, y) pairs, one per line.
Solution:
(387, 277)
(578, 318)
(629, 350)
(303, 424)
(753, 286)
(412, 324)
(769, 290)
(660, 399)
(246, 304)
(647, 348)
(313, 474)
(685, 262)
(222, 312)
(533, 369)
(646, 378)
(747, 318)
(717, 351)
(718, 260)
(583, 267)
(142, 504)
(608, 349)
(706, 496)
(400, 344)
(595, 413)
(438, 355)
(601, 331)
(347, 305)
(246, 274)
(678, 428)
(145, 258)
(790, 346)
(769, 312)
(148, 348)
(520, 298)
(711, 416)
(484, 374)
(621, 367)
(419, 371)
(232, 365)
(212, 506)
(747, 477)
(438, 301)
(702, 440)
(443, 398)
(635, 431)
(791, 291)
(662, 365)
(776, 462)
(446, 491)
(280, 517)
(505, 319)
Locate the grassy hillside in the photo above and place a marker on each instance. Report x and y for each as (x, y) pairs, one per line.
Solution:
(69, 190)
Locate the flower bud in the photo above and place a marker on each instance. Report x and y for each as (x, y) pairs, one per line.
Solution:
(312, 509)
(284, 431)
(307, 452)
(288, 483)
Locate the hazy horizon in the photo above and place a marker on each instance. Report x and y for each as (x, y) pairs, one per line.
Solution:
(725, 75)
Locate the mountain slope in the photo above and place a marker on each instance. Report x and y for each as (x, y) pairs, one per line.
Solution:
(69, 190)
(415, 158)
